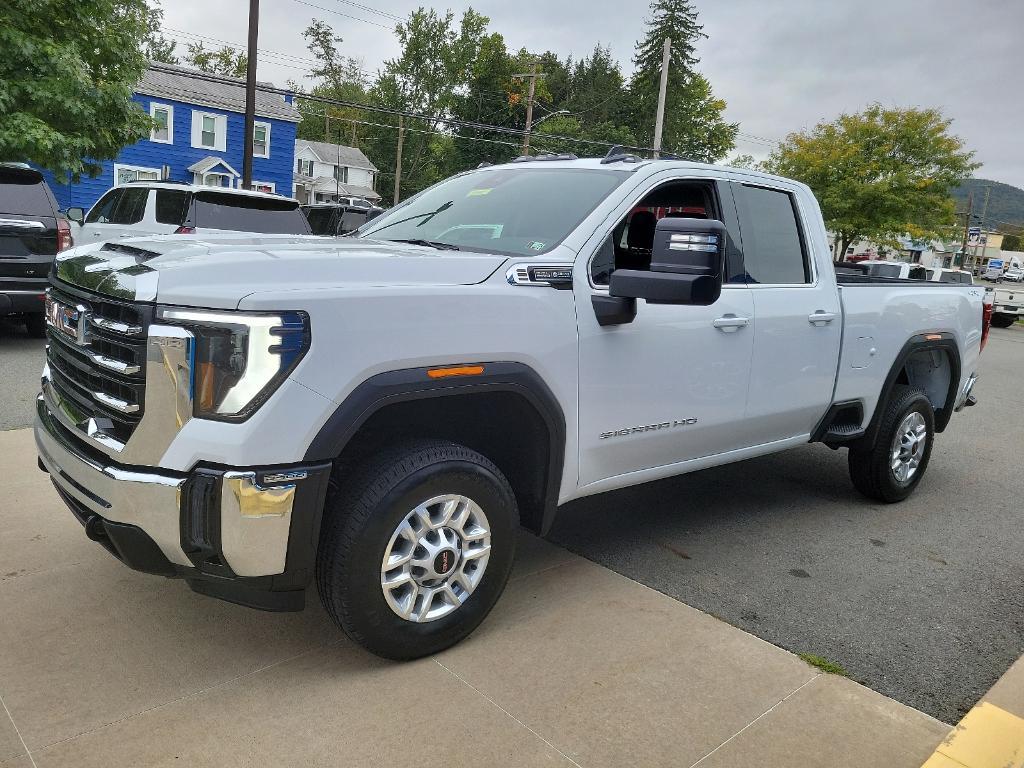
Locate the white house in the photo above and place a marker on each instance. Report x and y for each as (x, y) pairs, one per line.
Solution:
(324, 173)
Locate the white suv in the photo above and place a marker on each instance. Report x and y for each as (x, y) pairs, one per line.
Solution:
(167, 207)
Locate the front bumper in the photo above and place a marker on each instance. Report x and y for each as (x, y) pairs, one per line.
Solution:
(247, 535)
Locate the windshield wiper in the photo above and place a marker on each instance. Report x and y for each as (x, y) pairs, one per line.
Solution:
(425, 216)
(429, 243)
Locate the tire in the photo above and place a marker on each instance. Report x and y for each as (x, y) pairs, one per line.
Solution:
(364, 519)
(1003, 321)
(36, 326)
(871, 466)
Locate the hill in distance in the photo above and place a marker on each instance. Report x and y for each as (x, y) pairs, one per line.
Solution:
(1005, 203)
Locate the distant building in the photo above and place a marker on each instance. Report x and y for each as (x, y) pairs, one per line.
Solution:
(323, 173)
(199, 138)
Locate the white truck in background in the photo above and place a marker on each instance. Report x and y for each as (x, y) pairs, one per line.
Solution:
(381, 412)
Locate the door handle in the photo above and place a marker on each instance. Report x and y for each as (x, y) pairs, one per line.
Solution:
(820, 317)
(730, 323)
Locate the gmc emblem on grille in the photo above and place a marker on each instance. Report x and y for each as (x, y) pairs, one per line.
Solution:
(72, 322)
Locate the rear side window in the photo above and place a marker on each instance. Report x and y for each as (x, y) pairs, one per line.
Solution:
(320, 220)
(773, 250)
(131, 207)
(170, 206)
(24, 191)
(242, 213)
(918, 273)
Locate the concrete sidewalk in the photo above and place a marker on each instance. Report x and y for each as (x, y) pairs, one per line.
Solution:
(100, 666)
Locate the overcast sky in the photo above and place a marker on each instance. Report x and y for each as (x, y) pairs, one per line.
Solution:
(782, 65)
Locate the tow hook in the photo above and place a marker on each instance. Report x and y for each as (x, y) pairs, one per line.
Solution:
(970, 401)
(94, 528)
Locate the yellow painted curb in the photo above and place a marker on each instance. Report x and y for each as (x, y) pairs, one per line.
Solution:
(987, 737)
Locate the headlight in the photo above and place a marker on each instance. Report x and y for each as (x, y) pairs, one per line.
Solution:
(240, 357)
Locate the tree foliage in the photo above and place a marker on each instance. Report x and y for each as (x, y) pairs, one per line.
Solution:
(225, 61)
(66, 79)
(880, 173)
(694, 126)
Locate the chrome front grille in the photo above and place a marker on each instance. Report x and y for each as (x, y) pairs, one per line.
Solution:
(97, 358)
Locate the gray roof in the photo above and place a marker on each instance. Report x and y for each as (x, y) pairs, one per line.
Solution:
(337, 154)
(183, 85)
(211, 161)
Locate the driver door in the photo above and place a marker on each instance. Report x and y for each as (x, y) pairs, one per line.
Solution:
(671, 385)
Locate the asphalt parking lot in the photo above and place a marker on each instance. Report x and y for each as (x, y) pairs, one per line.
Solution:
(921, 601)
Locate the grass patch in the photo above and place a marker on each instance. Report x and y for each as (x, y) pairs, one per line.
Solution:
(823, 664)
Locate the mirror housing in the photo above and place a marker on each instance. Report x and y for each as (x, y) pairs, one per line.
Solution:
(687, 265)
(75, 214)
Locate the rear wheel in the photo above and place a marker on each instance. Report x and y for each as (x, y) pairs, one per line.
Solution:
(891, 468)
(1003, 321)
(36, 326)
(416, 547)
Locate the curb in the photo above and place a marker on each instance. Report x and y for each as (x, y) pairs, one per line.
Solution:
(991, 735)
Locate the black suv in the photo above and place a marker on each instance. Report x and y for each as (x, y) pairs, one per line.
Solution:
(335, 219)
(32, 232)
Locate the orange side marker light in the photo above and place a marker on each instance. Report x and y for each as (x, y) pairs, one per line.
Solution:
(459, 370)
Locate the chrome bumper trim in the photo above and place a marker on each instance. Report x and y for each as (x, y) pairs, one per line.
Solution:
(149, 499)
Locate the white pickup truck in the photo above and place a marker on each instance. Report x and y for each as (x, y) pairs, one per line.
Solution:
(381, 412)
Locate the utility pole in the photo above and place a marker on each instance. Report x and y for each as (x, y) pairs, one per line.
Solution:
(532, 77)
(327, 127)
(967, 229)
(398, 157)
(250, 93)
(659, 120)
(981, 226)
(353, 134)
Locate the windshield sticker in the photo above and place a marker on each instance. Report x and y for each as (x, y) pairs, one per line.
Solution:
(478, 192)
(535, 245)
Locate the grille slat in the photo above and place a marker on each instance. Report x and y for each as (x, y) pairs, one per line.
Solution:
(106, 377)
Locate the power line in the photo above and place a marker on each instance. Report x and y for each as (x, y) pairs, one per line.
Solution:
(346, 15)
(204, 76)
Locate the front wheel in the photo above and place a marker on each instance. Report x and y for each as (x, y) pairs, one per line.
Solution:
(416, 547)
(891, 468)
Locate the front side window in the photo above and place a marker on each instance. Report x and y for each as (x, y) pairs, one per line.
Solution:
(102, 211)
(261, 140)
(773, 251)
(513, 211)
(209, 135)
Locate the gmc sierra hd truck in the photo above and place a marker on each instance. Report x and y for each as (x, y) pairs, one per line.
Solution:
(380, 413)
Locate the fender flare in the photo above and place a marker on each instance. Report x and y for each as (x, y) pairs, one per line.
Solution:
(944, 342)
(404, 385)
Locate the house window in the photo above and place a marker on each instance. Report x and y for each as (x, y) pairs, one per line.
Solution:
(341, 173)
(209, 138)
(263, 186)
(163, 116)
(304, 167)
(209, 131)
(125, 174)
(261, 140)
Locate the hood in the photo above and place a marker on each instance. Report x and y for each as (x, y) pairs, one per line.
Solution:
(219, 270)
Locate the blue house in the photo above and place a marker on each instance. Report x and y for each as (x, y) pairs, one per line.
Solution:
(198, 138)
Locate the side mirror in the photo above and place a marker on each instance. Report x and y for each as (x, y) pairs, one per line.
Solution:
(75, 214)
(687, 265)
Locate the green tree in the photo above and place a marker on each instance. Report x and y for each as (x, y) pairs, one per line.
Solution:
(66, 80)
(435, 63)
(158, 48)
(336, 77)
(695, 125)
(226, 61)
(1013, 242)
(880, 173)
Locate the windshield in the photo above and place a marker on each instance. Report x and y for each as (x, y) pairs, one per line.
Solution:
(514, 211)
(884, 270)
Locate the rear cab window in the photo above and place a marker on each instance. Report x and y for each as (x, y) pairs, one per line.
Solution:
(774, 252)
(245, 213)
